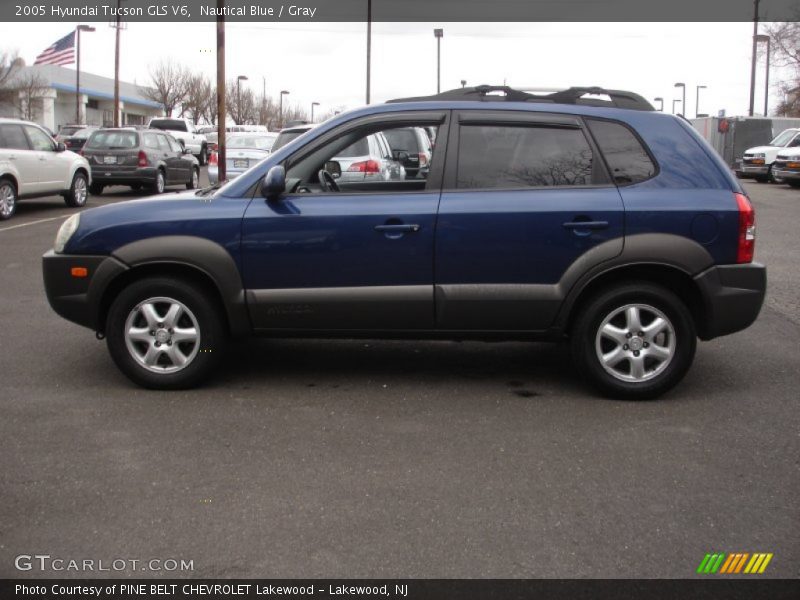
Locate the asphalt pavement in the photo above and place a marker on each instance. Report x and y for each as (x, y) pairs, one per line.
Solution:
(395, 459)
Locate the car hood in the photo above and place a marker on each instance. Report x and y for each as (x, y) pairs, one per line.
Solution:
(790, 152)
(105, 228)
(762, 149)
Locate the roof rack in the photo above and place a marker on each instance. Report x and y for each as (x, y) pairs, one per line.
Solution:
(573, 95)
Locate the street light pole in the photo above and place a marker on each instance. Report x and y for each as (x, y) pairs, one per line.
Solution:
(117, 26)
(78, 30)
(438, 33)
(673, 104)
(661, 106)
(697, 101)
(369, 45)
(765, 38)
(239, 81)
(753, 60)
(283, 93)
(683, 102)
(313, 104)
(221, 116)
(463, 83)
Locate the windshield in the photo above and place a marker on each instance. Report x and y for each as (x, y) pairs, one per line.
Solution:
(84, 133)
(261, 142)
(783, 138)
(113, 140)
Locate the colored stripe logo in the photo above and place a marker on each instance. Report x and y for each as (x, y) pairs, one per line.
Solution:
(734, 563)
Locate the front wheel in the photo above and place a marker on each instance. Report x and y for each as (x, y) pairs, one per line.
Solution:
(194, 180)
(8, 199)
(165, 333)
(78, 191)
(795, 183)
(635, 341)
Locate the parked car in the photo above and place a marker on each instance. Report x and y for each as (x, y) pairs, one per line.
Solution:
(555, 217)
(186, 133)
(76, 140)
(243, 150)
(368, 159)
(287, 134)
(152, 159)
(757, 162)
(786, 167)
(416, 147)
(66, 131)
(33, 164)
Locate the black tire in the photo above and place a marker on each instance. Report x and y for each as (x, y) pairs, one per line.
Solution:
(78, 191)
(194, 180)
(584, 340)
(795, 183)
(8, 198)
(204, 310)
(203, 156)
(96, 189)
(159, 185)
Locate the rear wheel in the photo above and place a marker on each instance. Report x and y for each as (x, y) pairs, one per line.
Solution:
(96, 188)
(165, 333)
(159, 183)
(78, 191)
(635, 341)
(8, 199)
(194, 180)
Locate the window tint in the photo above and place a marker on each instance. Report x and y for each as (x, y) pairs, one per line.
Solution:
(627, 159)
(402, 139)
(511, 156)
(151, 140)
(13, 138)
(39, 139)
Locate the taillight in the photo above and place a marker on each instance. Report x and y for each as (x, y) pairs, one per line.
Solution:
(142, 159)
(366, 166)
(747, 230)
(423, 159)
(212, 159)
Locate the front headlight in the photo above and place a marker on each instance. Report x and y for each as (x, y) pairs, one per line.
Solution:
(65, 232)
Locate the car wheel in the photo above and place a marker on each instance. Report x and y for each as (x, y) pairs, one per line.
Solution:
(159, 183)
(794, 183)
(96, 188)
(78, 191)
(194, 181)
(203, 157)
(635, 341)
(8, 199)
(165, 333)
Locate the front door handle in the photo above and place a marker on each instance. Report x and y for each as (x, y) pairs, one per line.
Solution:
(400, 228)
(586, 225)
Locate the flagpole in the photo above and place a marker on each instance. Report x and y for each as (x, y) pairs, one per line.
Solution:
(117, 119)
(78, 30)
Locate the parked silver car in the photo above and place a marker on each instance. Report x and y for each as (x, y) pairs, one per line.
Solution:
(369, 159)
(243, 150)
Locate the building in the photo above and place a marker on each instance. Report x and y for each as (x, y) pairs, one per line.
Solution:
(53, 104)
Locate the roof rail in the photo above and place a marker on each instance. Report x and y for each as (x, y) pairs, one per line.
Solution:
(573, 95)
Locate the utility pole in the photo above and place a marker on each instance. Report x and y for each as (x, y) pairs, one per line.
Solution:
(369, 45)
(753, 60)
(221, 117)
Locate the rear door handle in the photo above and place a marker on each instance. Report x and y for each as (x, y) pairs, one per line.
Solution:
(586, 225)
(401, 228)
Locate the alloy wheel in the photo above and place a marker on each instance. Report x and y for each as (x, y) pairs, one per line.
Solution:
(8, 200)
(162, 335)
(79, 191)
(635, 343)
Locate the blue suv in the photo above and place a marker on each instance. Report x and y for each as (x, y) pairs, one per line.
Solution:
(580, 215)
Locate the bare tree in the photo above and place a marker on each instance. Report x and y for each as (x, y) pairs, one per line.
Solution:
(10, 63)
(170, 82)
(210, 112)
(27, 88)
(198, 94)
(241, 103)
(785, 43)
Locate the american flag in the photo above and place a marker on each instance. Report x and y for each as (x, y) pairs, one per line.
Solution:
(61, 52)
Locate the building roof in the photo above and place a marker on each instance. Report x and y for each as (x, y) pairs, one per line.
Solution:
(63, 79)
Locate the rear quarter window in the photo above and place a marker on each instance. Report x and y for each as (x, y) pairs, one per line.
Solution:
(627, 159)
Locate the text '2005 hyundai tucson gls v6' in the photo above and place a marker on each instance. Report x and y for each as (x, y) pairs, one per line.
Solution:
(582, 215)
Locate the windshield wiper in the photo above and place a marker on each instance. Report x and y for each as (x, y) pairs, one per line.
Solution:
(207, 190)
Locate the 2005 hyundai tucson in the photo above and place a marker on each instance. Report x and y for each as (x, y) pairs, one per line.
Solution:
(581, 214)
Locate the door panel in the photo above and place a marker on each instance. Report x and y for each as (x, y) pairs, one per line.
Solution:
(317, 261)
(16, 150)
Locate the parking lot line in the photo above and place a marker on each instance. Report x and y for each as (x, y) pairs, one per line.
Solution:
(32, 223)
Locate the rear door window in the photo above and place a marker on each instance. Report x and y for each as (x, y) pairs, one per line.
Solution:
(520, 156)
(627, 159)
(13, 138)
(151, 141)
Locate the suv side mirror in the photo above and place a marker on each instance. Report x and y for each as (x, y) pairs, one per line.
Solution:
(61, 147)
(274, 183)
(334, 168)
